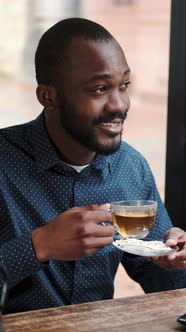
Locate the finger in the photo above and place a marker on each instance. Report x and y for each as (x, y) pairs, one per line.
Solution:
(159, 259)
(182, 240)
(100, 242)
(162, 259)
(102, 231)
(95, 243)
(170, 262)
(92, 228)
(99, 216)
(153, 258)
(173, 243)
(87, 253)
(96, 207)
(173, 235)
(181, 255)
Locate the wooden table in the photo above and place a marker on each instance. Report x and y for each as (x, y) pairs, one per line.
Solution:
(153, 312)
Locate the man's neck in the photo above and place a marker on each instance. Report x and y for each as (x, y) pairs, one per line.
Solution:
(70, 156)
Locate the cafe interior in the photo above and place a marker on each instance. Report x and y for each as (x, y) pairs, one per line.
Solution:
(152, 35)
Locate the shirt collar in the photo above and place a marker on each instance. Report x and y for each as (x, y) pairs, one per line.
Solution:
(46, 155)
(102, 162)
(103, 165)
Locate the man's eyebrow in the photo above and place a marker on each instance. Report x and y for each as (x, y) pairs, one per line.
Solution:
(106, 76)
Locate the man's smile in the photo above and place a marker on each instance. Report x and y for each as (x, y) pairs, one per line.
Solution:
(115, 127)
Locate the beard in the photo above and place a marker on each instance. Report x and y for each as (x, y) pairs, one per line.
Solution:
(86, 135)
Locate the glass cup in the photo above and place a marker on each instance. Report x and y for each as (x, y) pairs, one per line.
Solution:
(133, 218)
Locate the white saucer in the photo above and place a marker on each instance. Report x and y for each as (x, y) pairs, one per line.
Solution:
(144, 248)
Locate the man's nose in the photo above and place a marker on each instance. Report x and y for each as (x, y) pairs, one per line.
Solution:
(118, 102)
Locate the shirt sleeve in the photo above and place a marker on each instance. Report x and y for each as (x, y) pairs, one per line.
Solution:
(18, 257)
(16, 250)
(149, 275)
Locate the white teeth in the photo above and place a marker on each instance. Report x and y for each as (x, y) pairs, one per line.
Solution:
(109, 124)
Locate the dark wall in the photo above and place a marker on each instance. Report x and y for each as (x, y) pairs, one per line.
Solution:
(175, 194)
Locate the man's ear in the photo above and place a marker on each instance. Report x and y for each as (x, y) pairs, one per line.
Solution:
(46, 95)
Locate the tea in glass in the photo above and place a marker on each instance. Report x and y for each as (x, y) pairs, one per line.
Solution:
(134, 218)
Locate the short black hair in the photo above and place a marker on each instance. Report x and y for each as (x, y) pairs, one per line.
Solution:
(52, 47)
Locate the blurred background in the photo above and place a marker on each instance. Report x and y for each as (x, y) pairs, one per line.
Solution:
(142, 27)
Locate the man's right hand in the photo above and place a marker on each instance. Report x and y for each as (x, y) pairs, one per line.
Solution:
(74, 234)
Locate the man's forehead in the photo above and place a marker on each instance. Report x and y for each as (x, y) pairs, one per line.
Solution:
(95, 56)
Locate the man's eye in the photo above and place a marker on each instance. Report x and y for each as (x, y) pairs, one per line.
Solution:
(125, 85)
(99, 90)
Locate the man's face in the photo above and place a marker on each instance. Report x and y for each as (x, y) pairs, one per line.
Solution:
(92, 98)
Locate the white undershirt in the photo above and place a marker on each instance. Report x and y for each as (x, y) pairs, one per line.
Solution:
(77, 168)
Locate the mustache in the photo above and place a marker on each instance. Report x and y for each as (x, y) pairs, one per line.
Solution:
(110, 117)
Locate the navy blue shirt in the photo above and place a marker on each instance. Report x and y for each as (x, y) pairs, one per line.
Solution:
(35, 187)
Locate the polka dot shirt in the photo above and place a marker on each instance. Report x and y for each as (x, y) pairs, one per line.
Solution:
(35, 187)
